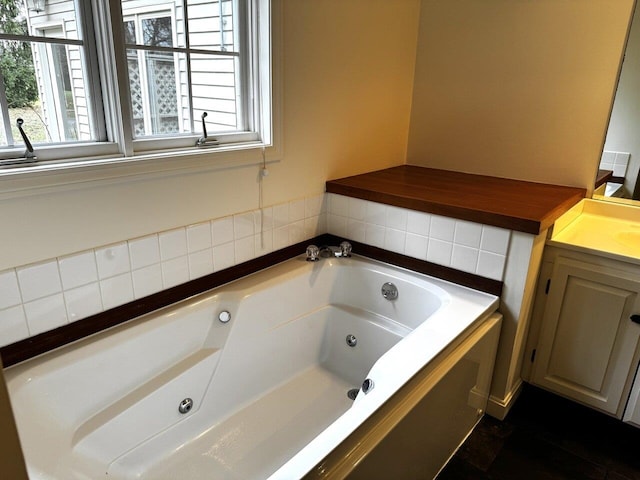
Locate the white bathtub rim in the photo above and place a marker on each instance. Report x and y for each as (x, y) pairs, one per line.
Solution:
(413, 355)
(383, 368)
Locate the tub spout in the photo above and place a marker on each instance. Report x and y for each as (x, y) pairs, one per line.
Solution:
(327, 252)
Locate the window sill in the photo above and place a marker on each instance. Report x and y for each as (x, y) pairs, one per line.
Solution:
(55, 176)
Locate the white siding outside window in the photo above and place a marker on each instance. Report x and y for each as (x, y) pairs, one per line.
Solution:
(187, 64)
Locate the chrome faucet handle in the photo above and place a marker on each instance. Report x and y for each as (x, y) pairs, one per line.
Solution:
(345, 249)
(313, 253)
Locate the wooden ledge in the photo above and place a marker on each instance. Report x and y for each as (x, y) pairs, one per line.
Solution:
(513, 204)
(603, 177)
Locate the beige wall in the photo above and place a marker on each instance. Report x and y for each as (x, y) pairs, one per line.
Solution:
(518, 89)
(347, 86)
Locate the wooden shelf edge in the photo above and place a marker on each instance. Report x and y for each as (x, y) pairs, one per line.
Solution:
(509, 204)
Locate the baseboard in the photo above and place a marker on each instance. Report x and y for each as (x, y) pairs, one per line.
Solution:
(499, 407)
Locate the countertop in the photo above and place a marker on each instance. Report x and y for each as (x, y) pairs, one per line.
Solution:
(603, 228)
(513, 204)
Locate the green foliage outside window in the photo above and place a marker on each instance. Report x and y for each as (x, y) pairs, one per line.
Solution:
(16, 61)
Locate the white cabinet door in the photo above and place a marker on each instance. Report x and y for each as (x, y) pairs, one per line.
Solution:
(588, 344)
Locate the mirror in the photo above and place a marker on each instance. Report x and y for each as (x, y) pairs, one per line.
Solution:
(621, 156)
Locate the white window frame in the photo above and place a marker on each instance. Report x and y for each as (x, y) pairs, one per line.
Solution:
(124, 156)
(50, 91)
(137, 16)
(255, 53)
(75, 150)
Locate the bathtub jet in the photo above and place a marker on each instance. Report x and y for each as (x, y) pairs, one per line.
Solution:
(245, 381)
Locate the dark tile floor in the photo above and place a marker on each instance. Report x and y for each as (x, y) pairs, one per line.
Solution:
(547, 437)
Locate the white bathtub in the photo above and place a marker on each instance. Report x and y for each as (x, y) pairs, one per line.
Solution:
(269, 388)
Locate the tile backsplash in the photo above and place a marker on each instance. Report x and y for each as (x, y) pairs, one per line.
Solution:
(616, 161)
(42, 296)
(467, 246)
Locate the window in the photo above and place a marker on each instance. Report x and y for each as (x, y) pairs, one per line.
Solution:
(153, 83)
(60, 120)
(144, 76)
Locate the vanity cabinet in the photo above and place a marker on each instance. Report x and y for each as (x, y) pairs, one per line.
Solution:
(587, 347)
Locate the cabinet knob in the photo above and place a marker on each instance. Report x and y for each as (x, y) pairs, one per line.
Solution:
(635, 318)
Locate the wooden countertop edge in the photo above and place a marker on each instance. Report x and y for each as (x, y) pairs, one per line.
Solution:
(520, 223)
(603, 177)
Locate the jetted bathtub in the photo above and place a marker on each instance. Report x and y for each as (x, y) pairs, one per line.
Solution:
(250, 380)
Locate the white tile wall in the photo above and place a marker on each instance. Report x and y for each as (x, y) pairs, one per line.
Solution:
(243, 225)
(9, 291)
(222, 231)
(357, 209)
(39, 280)
(199, 237)
(620, 164)
(297, 210)
(113, 260)
(14, 325)
(175, 271)
(173, 244)
(45, 313)
(83, 301)
(418, 223)
(147, 280)
(467, 246)
(36, 298)
(116, 290)
(416, 246)
(144, 251)
(200, 263)
(39, 297)
(616, 161)
(78, 270)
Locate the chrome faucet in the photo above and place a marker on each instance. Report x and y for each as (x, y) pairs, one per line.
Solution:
(345, 249)
(314, 253)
